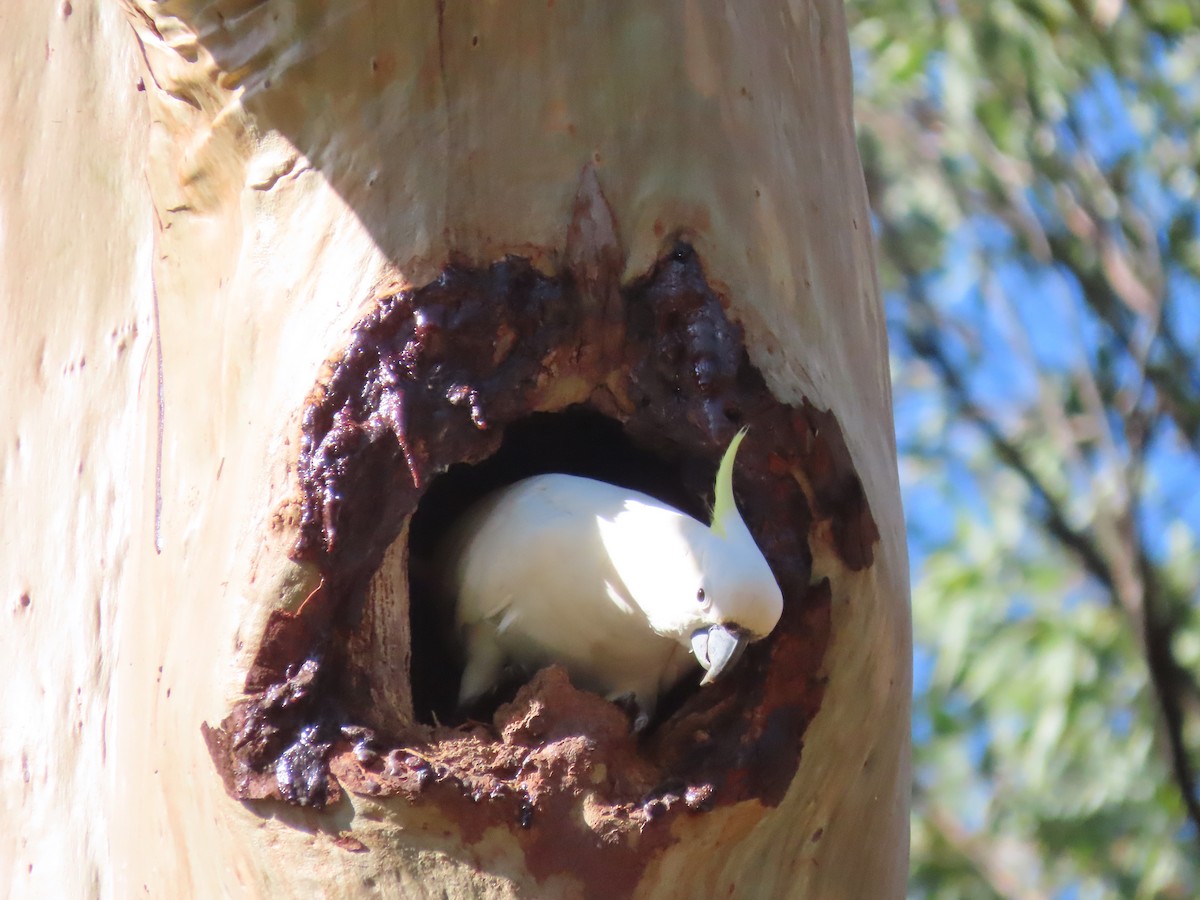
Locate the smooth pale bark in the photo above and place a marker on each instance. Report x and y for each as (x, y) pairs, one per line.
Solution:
(282, 162)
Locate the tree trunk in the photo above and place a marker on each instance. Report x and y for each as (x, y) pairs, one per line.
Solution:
(647, 214)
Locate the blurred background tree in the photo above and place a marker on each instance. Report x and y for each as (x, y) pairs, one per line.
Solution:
(1034, 168)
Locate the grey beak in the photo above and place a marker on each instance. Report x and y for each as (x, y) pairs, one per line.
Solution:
(718, 647)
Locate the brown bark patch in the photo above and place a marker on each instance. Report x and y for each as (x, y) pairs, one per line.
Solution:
(436, 377)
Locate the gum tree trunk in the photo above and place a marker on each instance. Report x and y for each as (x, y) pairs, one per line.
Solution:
(198, 202)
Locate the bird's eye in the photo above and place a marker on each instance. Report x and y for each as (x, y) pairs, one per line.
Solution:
(700, 595)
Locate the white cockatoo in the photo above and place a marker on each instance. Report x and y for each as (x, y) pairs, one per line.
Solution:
(625, 591)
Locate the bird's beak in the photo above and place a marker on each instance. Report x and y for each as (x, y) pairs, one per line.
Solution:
(718, 647)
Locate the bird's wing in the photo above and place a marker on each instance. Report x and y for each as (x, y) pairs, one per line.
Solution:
(520, 542)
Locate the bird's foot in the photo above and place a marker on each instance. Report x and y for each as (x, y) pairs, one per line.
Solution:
(639, 719)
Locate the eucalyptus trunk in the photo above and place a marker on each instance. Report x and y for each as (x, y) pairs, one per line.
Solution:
(202, 204)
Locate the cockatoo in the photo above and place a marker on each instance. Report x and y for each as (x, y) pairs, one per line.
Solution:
(625, 591)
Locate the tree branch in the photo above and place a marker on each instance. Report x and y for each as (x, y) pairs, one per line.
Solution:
(1169, 680)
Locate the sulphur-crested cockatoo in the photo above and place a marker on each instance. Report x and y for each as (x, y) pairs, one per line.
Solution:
(617, 586)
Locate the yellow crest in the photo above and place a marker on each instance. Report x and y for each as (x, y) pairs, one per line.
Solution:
(724, 505)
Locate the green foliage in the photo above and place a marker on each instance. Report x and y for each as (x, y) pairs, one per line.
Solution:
(1034, 168)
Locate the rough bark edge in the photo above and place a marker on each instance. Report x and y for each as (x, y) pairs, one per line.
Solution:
(432, 377)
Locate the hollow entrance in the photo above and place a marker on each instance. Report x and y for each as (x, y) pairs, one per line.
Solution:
(475, 380)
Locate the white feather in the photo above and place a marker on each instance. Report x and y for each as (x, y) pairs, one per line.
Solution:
(602, 579)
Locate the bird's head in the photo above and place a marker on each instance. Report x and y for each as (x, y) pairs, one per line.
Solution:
(741, 601)
(708, 587)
